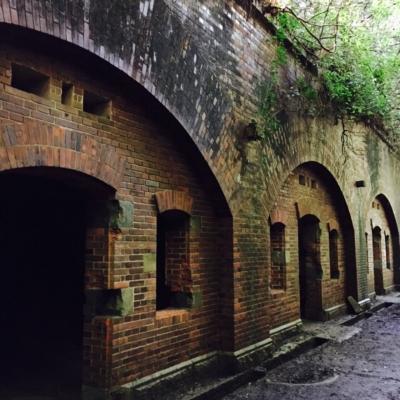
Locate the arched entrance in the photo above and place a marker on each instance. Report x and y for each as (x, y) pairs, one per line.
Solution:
(382, 231)
(310, 271)
(123, 257)
(318, 263)
(377, 254)
(44, 219)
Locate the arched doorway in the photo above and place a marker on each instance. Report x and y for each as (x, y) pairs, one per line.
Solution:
(377, 254)
(44, 218)
(310, 271)
(122, 151)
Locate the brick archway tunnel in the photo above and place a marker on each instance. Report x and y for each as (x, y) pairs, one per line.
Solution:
(163, 110)
(46, 215)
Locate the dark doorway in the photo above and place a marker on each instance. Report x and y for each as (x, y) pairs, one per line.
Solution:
(42, 247)
(310, 270)
(377, 253)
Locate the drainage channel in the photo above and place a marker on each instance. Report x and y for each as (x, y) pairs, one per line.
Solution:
(366, 314)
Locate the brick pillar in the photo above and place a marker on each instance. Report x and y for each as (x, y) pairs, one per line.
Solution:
(250, 278)
(96, 341)
(106, 295)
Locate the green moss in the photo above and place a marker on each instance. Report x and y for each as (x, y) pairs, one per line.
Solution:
(267, 93)
(306, 90)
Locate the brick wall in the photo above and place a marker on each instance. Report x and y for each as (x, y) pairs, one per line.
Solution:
(278, 256)
(203, 61)
(305, 192)
(138, 157)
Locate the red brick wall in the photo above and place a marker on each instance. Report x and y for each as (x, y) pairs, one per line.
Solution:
(316, 196)
(138, 156)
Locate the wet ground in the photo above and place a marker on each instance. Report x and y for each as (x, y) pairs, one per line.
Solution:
(358, 362)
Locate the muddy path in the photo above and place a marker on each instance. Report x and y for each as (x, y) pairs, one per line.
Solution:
(366, 366)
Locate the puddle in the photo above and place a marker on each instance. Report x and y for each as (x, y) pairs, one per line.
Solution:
(305, 373)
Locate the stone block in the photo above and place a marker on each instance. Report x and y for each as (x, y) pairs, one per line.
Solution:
(195, 224)
(121, 214)
(354, 305)
(150, 262)
(108, 302)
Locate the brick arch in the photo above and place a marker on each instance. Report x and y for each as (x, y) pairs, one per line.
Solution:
(374, 224)
(328, 166)
(308, 145)
(82, 25)
(346, 222)
(304, 208)
(35, 144)
(168, 200)
(333, 225)
(394, 230)
(330, 172)
(384, 198)
(388, 209)
(278, 216)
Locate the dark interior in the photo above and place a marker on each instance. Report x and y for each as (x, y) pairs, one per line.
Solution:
(31, 81)
(42, 244)
(377, 253)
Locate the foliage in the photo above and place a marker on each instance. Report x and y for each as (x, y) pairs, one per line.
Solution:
(356, 46)
(306, 90)
(268, 107)
(356, 89)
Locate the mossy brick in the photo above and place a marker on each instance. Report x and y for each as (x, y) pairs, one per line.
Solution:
(195, 223)
(149, 262)
(125, 218)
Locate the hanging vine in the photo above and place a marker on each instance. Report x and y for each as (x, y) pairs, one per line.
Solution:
(357, 51)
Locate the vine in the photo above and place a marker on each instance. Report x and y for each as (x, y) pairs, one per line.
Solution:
(358, 62)
(269, 91)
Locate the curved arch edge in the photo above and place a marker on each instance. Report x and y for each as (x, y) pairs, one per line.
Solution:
(168, 200)
(34, 144)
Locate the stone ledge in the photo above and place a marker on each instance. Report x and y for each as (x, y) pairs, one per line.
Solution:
(335, 311)
(282, 329)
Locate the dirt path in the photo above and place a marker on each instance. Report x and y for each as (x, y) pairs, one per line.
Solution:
(367, 366)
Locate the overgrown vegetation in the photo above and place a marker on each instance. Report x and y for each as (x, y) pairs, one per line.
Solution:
(356, 47)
